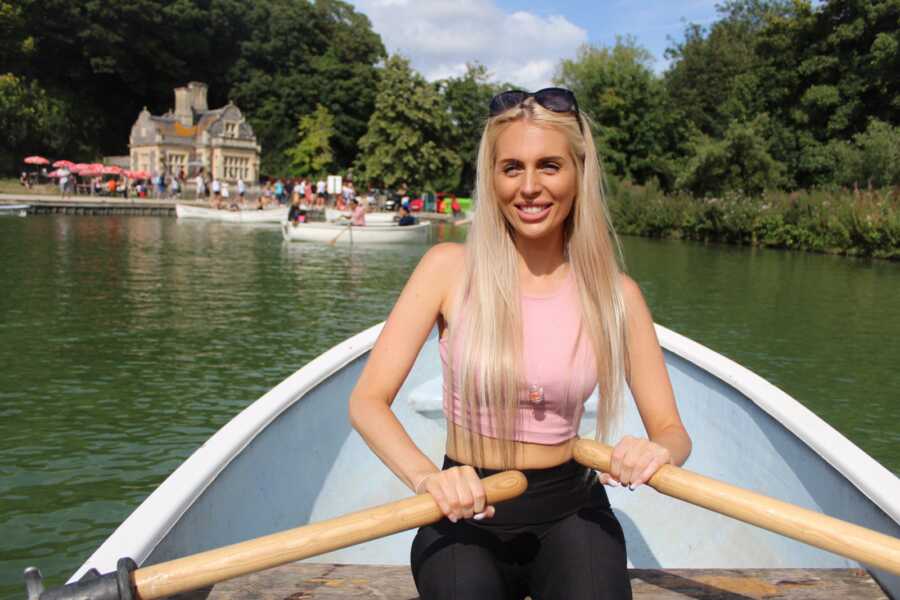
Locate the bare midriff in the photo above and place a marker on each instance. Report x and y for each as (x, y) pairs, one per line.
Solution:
(527, 455)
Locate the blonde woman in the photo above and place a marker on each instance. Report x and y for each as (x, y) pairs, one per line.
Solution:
(533, 313)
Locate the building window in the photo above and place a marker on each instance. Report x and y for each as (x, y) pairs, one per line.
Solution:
(235, 167)
(176, 162)
(231, 129)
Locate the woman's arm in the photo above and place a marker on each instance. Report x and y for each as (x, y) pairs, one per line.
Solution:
(635, 460)
(411, 320)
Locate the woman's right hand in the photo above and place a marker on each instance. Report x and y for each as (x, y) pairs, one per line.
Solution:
(458, 492)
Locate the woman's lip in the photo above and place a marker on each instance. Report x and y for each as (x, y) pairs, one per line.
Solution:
(532, 217)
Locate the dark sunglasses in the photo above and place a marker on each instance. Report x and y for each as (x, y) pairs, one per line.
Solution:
(555, 99)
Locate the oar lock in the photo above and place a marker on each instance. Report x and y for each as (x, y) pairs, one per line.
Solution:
(92, 586)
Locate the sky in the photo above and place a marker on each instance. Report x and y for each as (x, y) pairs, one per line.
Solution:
(522, 41)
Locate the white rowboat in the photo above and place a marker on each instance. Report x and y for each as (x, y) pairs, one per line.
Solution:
(245, 215)
(15, 210)
(347, 234)
(292, 458)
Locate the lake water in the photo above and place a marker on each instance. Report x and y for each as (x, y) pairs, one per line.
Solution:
(127, 341)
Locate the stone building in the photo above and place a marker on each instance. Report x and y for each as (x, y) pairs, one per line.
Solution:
(192, 137)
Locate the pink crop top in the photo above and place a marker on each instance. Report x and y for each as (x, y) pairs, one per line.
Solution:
(559, 370)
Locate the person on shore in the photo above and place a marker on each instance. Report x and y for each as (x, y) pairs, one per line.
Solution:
(64, 175)
(357, 213)
(216, 188)
(24, 180)
(279, 191)
(518, 372)
(320, 193)
(111, 186)
(226, 198)
(405, 217)
(200, 186)
(242, 189)
(174, 188)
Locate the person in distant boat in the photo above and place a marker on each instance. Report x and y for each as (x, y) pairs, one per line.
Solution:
(405, 217)
(357, 213)
(296, 214)
(517, 373)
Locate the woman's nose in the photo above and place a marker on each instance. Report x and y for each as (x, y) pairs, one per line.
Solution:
(531, 186)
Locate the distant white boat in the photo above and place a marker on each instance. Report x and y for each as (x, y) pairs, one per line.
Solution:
(347, 234)
(372, 218)
(292, 458)
(14, 210)
(245, 215)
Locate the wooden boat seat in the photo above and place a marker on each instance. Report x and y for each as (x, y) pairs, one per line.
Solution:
(318, 581)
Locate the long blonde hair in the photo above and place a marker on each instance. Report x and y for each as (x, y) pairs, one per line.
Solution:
(488, 317)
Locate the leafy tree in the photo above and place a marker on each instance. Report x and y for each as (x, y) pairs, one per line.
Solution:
(312, 155)
(300, 54)
(636, 130)
(872, 158)
(406, 138)
(466, 99)
(31, 122)
(739, 162)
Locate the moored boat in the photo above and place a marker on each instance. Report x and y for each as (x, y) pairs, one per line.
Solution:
(347, 234)
(245, 215)
(14, 210)
(372, 218)
(291, 458)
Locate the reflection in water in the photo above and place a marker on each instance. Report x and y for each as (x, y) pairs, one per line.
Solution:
(126, 342)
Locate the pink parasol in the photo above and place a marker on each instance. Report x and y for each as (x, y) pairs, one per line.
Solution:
(36, 160)
(56, 173)
(113, 170)
(91, 171)
(64, 163)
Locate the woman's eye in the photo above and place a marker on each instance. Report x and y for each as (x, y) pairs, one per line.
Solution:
(510, 169)
(551, 167)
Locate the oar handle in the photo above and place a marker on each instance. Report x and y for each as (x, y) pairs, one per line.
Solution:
(203, 569)
(837, 536)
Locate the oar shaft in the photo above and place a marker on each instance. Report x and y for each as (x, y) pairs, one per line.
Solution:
(837, 536)
(203, 569)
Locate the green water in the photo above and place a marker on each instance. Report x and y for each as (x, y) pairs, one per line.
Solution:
(127, 341)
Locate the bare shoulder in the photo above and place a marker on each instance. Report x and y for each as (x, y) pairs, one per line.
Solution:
(442, 270)
(631, 291)
(446, 255)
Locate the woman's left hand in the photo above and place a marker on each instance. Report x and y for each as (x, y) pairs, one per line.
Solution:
(634, 461)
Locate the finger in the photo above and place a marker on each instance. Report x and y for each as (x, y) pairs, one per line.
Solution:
(465, 497)
(615, 461)
(629, 463)
(488, 513)
(476, 488)
(647, 473)
(606, 479)
(448, 488)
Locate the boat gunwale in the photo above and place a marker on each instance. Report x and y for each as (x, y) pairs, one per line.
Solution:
(140, 533)
(163, 508)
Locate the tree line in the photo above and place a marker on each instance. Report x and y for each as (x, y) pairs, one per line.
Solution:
(774, 95)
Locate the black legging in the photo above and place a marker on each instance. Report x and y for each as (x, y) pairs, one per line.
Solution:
(559, 540)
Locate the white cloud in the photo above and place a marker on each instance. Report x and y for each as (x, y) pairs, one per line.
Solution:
(441, 36)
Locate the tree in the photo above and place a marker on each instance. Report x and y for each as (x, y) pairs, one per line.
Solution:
(637, 133)
(466, 100)
(406, 138)
(739, 162)
(312, 155)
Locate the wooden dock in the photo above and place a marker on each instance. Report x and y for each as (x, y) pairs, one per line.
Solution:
(302, 581)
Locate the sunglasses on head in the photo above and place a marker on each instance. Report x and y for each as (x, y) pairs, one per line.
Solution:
(555, 99)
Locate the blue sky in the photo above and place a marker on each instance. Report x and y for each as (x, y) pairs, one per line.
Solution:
(522, 41)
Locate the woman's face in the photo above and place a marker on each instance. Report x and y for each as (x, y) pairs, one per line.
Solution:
(535, 179)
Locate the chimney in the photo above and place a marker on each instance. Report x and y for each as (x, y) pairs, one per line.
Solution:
(183, 112)
(198, 96)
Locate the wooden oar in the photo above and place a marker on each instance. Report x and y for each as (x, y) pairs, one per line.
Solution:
(837, 536)
(206, 568)
(465, 221)
(343, 231)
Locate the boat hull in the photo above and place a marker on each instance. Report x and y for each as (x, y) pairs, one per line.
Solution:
(291, 458)
(346, 234)
(14, 210)
(269, 215)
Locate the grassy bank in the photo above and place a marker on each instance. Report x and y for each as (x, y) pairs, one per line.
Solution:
(853, 223)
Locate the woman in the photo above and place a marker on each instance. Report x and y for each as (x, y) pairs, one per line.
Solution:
(533, 313)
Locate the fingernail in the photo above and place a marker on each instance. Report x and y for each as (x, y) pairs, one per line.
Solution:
(614, 482)
(479, 516)
(632, 487)
(452, 519)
